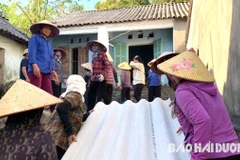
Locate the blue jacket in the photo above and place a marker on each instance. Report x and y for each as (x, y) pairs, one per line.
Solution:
(153, 79)
(40, 52)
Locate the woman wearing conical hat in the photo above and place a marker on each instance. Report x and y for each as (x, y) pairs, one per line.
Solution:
(23, 137)
(59, 55)
(125, 81)
(40, 55)
(100, 69)
(154, 83)
(200, 107)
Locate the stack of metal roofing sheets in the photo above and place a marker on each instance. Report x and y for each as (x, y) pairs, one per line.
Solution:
(129, 131)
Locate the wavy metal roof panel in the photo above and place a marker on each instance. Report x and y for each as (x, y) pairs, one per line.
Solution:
(138, 13)
(129, 131)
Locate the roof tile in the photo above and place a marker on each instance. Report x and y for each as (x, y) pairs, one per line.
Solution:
(9, 30)
(139, 13)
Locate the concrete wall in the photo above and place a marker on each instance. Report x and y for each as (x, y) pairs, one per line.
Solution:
(179, 30)
(214, 31)
(12, 51)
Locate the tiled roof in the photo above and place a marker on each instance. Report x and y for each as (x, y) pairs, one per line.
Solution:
(139, 13)
(9, 30)
(129, 131)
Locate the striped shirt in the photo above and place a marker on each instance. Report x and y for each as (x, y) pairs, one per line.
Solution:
(100, 65)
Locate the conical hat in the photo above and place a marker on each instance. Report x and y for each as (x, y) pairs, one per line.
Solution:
(109, 57)
(23, 96)
(63, 52)
(25, 52)
(54, 29)
(87, 66)
(124, 66)
(164, 56)
(150, 63)
(102, 46)
(187, 65)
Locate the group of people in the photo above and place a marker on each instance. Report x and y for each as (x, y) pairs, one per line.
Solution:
(198, 104)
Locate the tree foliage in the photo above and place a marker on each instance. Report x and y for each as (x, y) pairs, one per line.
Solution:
(24, 15)
(113, 4)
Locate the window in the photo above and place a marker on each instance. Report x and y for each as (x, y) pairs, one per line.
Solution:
(140, 34)
(151, 35)
(75, 61)
(130, 36)
(71, 40)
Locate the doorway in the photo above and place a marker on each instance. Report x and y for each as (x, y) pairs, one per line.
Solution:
(144, 51)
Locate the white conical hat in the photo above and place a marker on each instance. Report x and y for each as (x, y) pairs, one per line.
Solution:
(23, 96)
(87, 66)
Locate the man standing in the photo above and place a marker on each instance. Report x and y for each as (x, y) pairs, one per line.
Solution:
(100, 69)
(24, 67)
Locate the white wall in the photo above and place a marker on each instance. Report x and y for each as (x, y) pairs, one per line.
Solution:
(13, 57)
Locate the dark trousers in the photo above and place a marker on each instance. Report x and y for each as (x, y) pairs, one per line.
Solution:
(96, 93)
(236, 157)
(138, 91)
(125, 94)
(86, 96)
(57, 90)
(153, 92)
(108, 95)
(60, 152)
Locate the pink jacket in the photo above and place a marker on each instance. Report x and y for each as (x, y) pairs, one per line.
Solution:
(204, 117)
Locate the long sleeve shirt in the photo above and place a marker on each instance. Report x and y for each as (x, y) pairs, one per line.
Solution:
(58, 68)
(138, 73)
(153, 79)
(40, 52)
(125, 78)
(100, 65)
(111, 76)
(204, 118)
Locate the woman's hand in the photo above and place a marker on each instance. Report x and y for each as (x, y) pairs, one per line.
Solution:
(179, 131)
(71, 139)
(36, 70)
(55, 77)
(172, 105)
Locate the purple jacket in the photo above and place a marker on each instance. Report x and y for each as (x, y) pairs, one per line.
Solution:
(125, 78)
(204, 117)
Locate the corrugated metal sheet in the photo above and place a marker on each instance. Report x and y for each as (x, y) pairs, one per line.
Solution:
(132, 131)
(138, 13)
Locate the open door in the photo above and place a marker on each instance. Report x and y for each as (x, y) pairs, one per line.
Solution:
(157, 48)
(120, 55)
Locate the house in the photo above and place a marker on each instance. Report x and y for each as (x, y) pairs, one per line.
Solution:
(213, 31)
(145, 30)
(12, 44)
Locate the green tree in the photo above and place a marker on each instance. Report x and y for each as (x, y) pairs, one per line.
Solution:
(23, 16)
(113, 4)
